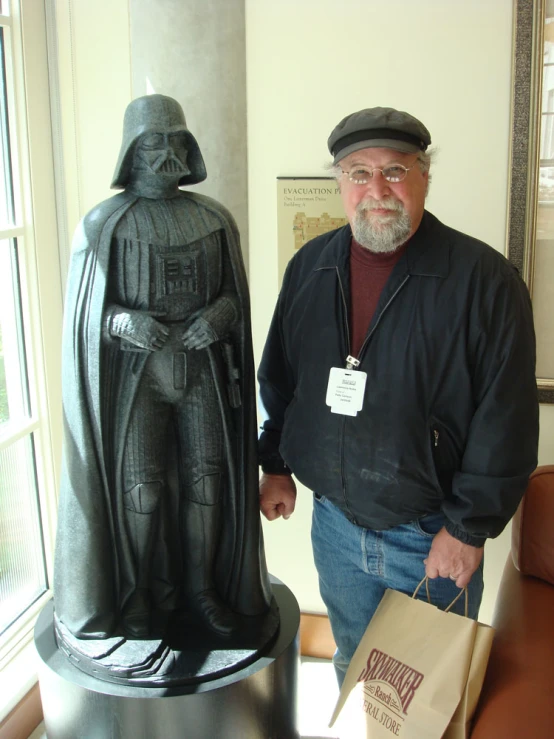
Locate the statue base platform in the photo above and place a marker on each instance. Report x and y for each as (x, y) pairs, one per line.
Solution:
(257, 701)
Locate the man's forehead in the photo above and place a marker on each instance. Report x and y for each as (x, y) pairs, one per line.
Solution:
(375, 154)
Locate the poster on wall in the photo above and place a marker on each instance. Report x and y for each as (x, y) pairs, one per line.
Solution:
(306, 208)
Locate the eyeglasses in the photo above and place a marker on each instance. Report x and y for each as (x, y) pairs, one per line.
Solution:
(360, 175)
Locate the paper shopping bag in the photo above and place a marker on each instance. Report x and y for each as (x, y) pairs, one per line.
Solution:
(409, 673)
(459, 726)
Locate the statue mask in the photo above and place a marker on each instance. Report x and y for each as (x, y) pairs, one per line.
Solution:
(157, 115)
(162, 153)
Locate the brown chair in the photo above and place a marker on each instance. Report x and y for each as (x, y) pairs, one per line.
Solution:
(517, 700)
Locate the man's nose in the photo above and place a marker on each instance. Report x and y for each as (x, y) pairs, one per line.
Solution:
(378, 186)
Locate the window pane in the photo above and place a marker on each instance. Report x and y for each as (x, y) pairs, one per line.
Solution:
(546, 185)
(6, 186)
(22, 566)
(543, 269)
(13, 376)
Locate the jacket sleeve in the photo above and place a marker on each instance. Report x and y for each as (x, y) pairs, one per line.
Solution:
(501, 448)
(276, 380)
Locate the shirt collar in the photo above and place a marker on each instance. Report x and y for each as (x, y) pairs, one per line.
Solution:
(426, 255)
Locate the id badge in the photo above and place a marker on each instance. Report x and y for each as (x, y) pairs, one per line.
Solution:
(345, 391)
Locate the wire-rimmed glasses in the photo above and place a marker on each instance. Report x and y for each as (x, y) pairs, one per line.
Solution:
(361, 175)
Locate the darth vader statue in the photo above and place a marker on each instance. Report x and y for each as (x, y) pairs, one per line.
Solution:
(158, 508)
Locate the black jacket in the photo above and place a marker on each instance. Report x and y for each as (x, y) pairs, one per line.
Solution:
(450, 415)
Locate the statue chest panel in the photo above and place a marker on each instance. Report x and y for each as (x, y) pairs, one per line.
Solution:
(165, 259)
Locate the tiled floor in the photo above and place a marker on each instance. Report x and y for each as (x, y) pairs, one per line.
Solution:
(318, 693)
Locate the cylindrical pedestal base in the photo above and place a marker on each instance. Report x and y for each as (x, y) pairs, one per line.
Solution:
(257, 702)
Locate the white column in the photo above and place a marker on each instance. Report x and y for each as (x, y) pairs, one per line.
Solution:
(194, 51)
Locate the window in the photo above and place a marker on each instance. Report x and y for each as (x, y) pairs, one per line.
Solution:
(543, 258)
(30, 325)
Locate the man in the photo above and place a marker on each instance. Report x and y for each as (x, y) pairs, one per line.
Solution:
(398, 384)
(159, 497)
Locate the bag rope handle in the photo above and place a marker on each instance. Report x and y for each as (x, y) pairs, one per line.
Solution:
(446, 610)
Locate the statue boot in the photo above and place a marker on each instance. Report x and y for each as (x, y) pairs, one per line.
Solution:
(141, 505)
(200, 533)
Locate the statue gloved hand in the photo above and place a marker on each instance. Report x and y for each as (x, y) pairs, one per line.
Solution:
(199, 335)
(138, 328)
(212, 323)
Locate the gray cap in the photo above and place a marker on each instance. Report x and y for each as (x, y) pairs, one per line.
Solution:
(385, 128)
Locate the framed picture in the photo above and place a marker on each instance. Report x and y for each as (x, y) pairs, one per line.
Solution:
(531, 201)
(306, 207)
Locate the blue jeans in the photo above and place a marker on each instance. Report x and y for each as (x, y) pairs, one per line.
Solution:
(356, 565)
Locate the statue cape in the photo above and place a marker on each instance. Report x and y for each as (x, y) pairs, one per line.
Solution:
(94, 572)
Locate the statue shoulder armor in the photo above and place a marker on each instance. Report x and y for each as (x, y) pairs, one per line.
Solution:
(89, 228)
(217, 211)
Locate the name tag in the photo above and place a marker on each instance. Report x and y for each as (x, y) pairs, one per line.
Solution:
(345, 391)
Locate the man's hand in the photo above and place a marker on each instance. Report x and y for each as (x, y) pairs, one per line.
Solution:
(452, 558)
(277, 496)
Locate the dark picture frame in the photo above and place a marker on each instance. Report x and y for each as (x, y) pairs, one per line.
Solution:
(529, 22)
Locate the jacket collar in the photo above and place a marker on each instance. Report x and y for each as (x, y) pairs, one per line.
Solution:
(427, 254)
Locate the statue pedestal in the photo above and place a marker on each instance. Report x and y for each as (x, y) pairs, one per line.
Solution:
(255, 702)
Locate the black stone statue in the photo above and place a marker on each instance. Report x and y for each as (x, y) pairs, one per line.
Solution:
(158, 509)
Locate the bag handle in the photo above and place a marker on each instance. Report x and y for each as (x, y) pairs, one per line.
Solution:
(446, 610)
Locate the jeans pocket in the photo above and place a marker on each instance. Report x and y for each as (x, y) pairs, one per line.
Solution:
(430, 525)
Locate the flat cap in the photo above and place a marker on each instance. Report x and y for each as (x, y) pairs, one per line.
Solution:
(378, 127)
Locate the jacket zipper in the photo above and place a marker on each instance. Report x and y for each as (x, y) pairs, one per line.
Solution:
(347, 331)
(353, 363)
(378, 321)
(345, 315)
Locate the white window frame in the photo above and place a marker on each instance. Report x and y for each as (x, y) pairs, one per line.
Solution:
(30, 131)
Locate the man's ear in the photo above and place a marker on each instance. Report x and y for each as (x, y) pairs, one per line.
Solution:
(427, 182)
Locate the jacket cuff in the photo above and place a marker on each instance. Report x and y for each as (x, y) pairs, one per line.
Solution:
(463, 536)
(275, 467)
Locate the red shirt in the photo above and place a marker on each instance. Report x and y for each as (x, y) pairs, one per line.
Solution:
(369, 272)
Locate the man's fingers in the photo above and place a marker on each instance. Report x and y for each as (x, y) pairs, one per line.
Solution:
(284, 510)
(270, 512)
(450, 558)
(431, 571)
(277, 496)
(273, 511)
(269, 509)
(462, 581)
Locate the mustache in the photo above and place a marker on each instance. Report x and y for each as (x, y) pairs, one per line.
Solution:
(369, 203)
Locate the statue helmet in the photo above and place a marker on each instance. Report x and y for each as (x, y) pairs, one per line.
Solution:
(156, 114)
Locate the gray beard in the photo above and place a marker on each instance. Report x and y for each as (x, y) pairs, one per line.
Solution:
(381, 236)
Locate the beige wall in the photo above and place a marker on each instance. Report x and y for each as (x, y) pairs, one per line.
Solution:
(309, 63)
